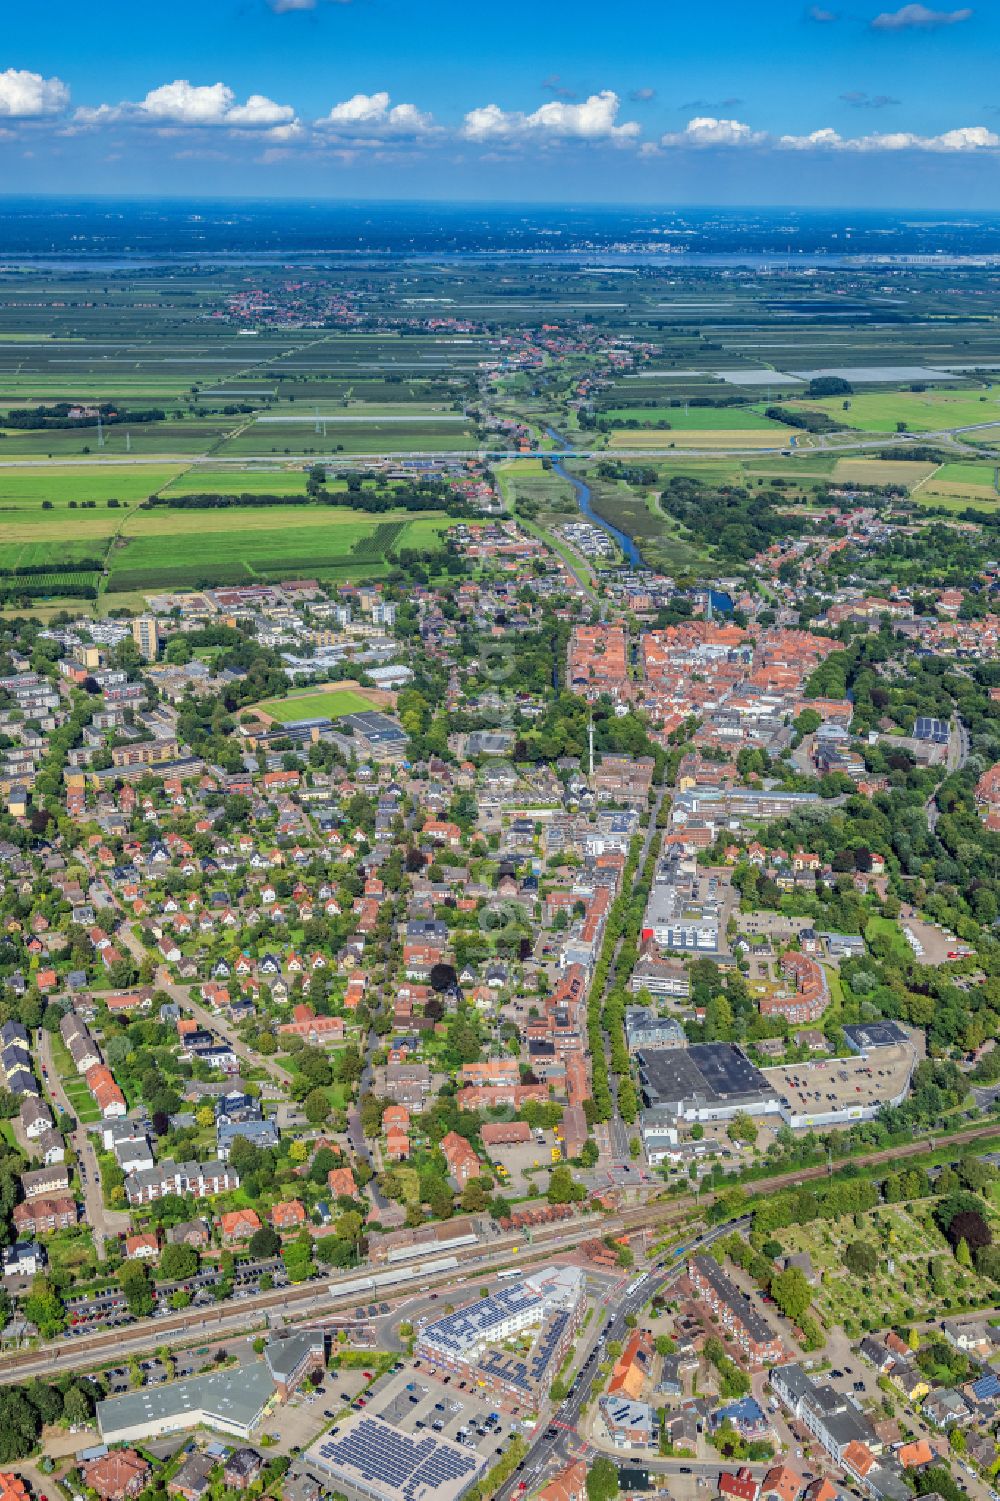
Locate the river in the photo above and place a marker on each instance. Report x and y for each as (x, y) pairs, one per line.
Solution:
(582, 492)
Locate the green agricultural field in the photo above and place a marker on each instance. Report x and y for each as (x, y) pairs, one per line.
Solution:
(87, 481)
(959, 485)
(698, 419)
(350, 436)
(881, 472)
(231, 479)
(180, 548)
(331, 703)
(917, 411)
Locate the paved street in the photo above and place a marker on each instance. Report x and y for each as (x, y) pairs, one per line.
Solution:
(105, 1223)
(182, 994)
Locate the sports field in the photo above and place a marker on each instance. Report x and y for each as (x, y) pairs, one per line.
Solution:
(330, 703)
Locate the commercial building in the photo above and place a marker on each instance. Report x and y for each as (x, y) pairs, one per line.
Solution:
(371, 1457)
(231, 1400)
(661, 977)
(684, 909)
(868, 1036)
(630, 1425)
(709, 1081)
(375, 735)
(290, 1358)
(470, 1341)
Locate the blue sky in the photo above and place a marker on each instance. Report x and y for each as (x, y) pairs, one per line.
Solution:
(874, 103)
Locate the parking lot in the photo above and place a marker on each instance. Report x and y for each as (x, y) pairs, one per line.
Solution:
(414, 1402)
(827, 1084)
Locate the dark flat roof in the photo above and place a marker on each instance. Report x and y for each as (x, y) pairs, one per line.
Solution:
(717, 1071)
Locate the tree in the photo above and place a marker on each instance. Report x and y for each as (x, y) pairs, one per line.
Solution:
(349, 1226)
(320, 1166)
(317, 1107)
(969, 1226)
(136, 1286)
(563, 1189)
(790, 1291)
(664, 1345)
(78, 1407)
(43, 1307)
(861, 1258)
(264, 1243)
(742, 1128)
(602, 1480)
(962, 1255)
(19, 1424)
(298, 1258)
(987, 1261)
(475, 1196)
(178, 1262)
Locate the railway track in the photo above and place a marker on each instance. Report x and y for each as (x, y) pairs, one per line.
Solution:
(96, 1348)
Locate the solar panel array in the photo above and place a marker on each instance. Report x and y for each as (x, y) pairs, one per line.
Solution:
(397, 1463)
(548, 1343)
(507, 1369)
(460, 1332)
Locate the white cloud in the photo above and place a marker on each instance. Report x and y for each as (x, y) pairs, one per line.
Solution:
(25, 95)
(284, 7)
(184, 103)
(374, 113)
(964, 138)
(816, 140)
(593, 119)
(919, 17)
(293, 131)
(707, 130)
